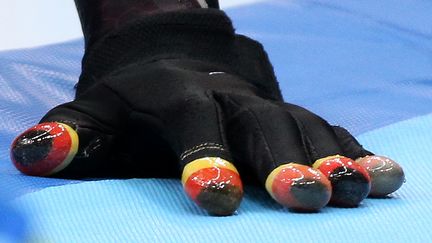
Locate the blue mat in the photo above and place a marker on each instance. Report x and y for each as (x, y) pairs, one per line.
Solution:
(142, 210)
(361, 64)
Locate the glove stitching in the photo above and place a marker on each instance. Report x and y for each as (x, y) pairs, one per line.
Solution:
(201, 147)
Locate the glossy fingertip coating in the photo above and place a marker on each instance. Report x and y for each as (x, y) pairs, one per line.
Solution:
(387, 176)
(214, 184)
(299, 187)
(44, 149)
(350, 182)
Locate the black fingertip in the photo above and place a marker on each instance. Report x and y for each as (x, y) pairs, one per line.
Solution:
(32, 146)
(310, 194)
(220, 201)
(350, 187)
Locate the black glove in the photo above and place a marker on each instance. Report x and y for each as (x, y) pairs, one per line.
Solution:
(181, 92)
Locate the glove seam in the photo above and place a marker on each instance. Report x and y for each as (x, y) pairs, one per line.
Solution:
(247, 109)
(128, 104)
(307, 143)
(219, 119)
(67, 121)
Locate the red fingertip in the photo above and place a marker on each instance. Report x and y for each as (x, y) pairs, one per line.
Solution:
(301, 188)
(334, 163)
(217, 190)
(43, 148)
(350, 181)
(203, 178)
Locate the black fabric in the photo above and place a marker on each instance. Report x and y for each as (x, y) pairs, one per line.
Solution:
(99, 17)
(213, 3)
(171, 88)
(352, 148)
(200, 34)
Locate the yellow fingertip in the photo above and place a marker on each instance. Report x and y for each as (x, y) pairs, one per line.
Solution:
(318, 163)
(272, 175)
(203, 163)
(72, 151)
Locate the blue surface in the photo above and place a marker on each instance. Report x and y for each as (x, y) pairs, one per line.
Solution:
(13, 225)
(157, 210)
(349, 61)
(361, 64)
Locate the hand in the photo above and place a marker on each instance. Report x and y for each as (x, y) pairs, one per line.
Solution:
(158, 98)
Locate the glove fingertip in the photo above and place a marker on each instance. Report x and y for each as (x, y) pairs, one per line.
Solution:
(44, 149)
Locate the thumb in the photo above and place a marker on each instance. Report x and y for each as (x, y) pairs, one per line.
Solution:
(71, 140)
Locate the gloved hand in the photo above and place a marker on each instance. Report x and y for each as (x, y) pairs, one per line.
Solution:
(180, 92)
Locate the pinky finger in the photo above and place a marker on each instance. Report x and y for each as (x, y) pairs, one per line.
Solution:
(386, 175)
